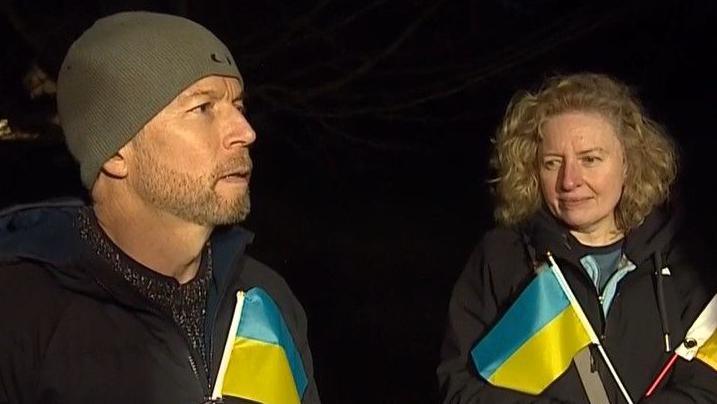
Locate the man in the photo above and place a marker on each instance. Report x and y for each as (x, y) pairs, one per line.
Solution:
(130, 300)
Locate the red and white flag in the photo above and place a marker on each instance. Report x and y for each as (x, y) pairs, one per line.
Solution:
(700, 342)
(701, 339)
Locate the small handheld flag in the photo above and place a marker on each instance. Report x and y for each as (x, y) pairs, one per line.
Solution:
(260, 360)
(535, 341)
(537, 338)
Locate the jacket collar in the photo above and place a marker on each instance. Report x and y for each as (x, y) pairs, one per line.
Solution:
(48, 233)
(544, 233)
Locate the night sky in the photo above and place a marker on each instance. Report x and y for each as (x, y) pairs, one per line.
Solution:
(374, 122)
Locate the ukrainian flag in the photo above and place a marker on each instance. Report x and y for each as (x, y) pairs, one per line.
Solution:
(535, 341)
(260, 361)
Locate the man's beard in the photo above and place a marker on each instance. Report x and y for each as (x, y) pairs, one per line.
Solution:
(191, 197)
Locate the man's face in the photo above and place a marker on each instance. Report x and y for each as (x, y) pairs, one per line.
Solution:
(192, 159)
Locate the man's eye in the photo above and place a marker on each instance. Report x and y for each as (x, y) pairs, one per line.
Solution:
(201, 107)
(240, 107)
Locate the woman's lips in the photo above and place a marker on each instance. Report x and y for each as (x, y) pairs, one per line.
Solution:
(572, 202)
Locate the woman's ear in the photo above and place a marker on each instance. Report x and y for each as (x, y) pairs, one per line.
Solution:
(624, 169)
(624, 164)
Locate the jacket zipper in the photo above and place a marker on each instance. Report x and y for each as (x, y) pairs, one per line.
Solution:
(210, 353)
(595, 365)
(597, 297)
(603, 316)
(193, 365)
(206, 387)
(601, 298)
(207, 395)
(210, 349)
(192, 362)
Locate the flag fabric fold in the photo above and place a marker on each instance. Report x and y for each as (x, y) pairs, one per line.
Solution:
(260, 361)
(535, 340)
(701, 339)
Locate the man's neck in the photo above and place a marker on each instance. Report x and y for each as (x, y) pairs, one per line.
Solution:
(158, 240)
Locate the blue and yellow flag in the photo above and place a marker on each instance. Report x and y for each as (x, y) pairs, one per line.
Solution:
(535, 341)
(260, 361)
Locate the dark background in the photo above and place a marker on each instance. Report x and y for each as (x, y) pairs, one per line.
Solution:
(374, 121)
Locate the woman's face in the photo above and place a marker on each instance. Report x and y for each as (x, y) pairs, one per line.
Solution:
(582, 171)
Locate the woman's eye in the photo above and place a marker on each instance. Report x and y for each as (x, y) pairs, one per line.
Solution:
(240, 107)
(551, 164)
(591, 159)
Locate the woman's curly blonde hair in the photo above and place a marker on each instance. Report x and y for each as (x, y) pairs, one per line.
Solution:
(650, 154)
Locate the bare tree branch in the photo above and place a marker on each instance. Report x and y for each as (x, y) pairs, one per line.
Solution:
(20, 26)
(288, 33)
(564, 30)
(371, 63)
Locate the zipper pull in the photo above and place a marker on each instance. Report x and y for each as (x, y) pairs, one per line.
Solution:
(593, 365)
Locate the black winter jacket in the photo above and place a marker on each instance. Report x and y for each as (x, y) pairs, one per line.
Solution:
(74, 331)
(631, 332)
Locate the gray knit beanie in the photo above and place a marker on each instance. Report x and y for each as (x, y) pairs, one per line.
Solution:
(124, 70)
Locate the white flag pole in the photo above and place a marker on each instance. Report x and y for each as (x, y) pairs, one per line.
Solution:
(228, 345)
(586, 323)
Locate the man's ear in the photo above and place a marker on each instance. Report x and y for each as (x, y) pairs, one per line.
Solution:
(116, 166)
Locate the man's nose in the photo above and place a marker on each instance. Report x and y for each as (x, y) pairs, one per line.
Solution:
(240, 132)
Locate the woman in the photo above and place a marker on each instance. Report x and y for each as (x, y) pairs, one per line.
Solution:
(584, 174)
